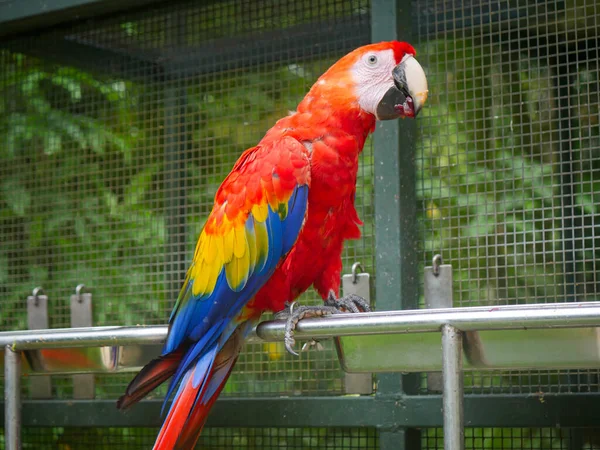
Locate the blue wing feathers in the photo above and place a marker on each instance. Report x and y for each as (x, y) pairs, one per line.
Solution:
(215, 380)
(295, 218)
(203, 366)
(192, 354)
(207, 319)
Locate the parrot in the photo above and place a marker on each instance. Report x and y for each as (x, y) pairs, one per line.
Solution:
(276, 228)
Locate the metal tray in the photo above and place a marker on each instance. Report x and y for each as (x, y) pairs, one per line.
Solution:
(127, 358)
(555, 348)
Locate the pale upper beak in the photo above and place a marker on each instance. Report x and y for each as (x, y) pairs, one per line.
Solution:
(410, 79)
(409, 93)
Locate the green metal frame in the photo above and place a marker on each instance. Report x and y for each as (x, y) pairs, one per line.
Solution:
(393, 417)
(87, 57)
(395, 221)
(395, 410)
(18, 16)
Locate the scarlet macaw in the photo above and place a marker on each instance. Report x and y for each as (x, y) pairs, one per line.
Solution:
(278, 226)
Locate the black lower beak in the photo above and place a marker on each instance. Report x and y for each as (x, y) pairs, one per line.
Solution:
(398, 101)
(387, 108)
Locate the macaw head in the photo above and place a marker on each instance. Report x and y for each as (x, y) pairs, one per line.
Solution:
(383, 79)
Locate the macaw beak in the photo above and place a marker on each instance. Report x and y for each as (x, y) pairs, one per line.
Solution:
(409, 93)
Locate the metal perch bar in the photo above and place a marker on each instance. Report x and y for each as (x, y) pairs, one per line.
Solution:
(398, 341)
(555, 315)
(572, 315)
(83, 337)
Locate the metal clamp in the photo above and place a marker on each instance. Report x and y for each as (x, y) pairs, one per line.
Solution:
(37, 319)
(84, 386)
(437, 293)
(357, 282)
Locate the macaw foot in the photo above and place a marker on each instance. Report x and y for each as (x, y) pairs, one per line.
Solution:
(348, 303)
(294, 313)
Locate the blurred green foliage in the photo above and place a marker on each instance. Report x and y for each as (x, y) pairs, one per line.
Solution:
(489, 184)
(74, 186)
(504, 438)
(492, 188)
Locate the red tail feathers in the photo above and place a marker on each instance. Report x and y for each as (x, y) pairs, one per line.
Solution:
(191, 405)
(195, 422)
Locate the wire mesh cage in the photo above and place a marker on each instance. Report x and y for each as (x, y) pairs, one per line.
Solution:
(517, 438)
(507, 163)
(115, 134)
(215, 438)
(123, 166)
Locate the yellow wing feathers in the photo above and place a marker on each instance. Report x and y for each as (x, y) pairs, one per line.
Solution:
(260, 212)
(239, 248)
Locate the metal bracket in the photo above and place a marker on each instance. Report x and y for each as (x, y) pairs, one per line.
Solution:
(37, 319)
(81, 316)
(12, 398)
(437, 294)
(357, 283)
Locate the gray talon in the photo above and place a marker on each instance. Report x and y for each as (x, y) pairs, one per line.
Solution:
(294, 313)
(298, 313)
(350, 302)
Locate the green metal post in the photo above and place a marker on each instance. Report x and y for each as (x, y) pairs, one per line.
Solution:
(395, 217)
(398, 419)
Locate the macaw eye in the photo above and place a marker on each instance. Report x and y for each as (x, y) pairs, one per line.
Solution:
(372, 60)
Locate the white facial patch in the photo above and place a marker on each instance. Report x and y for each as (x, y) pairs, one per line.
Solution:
(372, 81)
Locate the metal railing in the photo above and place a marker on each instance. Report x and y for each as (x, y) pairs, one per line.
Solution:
(454, 325)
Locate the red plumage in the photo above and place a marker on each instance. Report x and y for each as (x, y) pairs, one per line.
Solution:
(336, 136)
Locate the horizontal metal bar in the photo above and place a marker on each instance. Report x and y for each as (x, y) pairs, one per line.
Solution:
(564, 410)
(295, 43)
(83, 337)
(557, 315)
(18, 16)
(393, 341)
(439, 22)
(67, 51)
